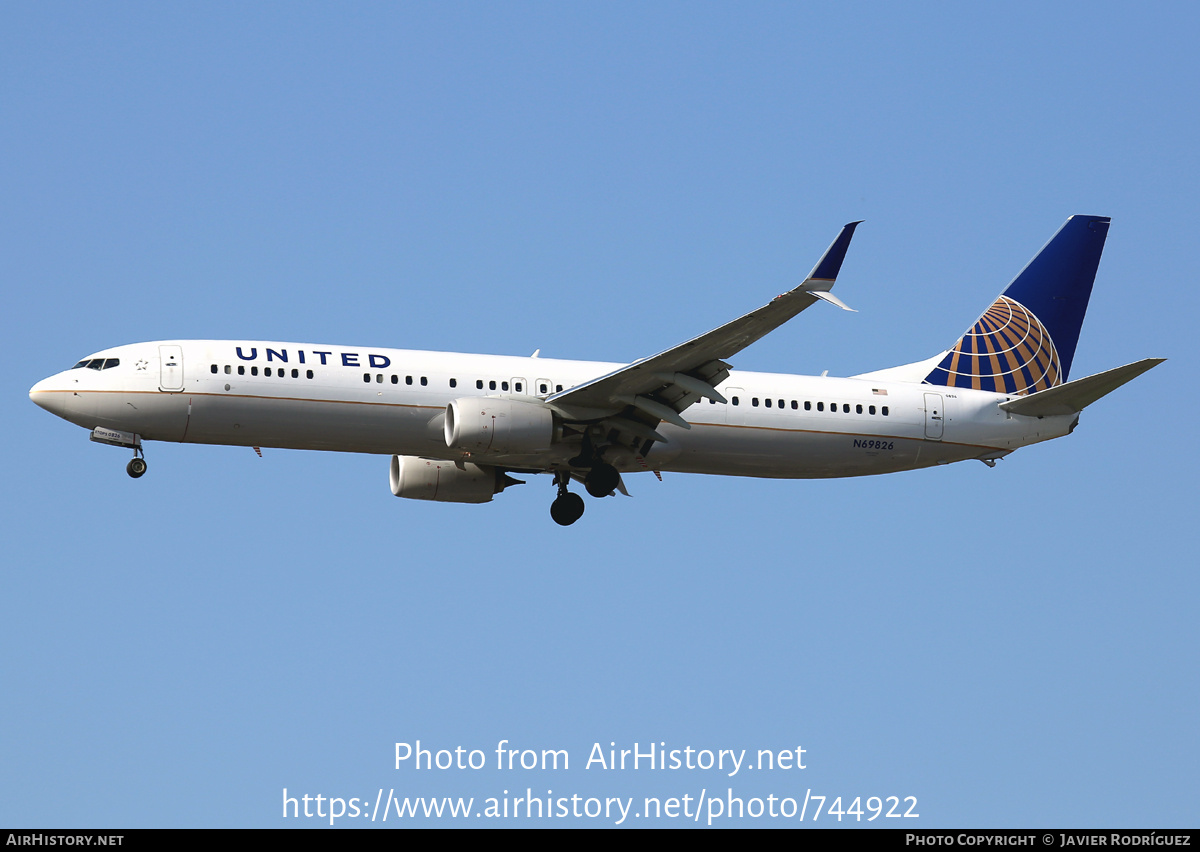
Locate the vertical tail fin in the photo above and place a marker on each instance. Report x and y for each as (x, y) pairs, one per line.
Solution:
(1025, 341)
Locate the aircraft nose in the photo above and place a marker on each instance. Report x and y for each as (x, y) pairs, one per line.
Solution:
(46, 394)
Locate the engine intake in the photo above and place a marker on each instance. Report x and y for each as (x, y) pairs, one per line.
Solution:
(492, 425)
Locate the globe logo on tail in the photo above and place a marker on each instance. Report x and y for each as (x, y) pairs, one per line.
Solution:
(1007, 351)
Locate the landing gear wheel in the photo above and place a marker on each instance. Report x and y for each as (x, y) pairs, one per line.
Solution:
(601, 480)
(136, 467)
(567, 509)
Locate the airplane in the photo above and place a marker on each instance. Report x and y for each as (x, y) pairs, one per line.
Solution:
(461, 427)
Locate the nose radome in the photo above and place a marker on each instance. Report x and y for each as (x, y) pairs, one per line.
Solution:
(35, 390)
(46, 395)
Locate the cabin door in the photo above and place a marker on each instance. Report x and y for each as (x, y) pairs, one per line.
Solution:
(170, 361)
(934, 416)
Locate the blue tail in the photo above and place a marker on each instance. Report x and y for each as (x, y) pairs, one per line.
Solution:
(1025, 341)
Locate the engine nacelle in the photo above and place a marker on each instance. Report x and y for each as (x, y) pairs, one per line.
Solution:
(486, 425)
(434, 479)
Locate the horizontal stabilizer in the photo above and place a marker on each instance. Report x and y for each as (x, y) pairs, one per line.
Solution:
(1075, 396)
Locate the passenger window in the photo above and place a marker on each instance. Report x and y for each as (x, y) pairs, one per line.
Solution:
(885, 411)
(491, 385)
(310, 374)
(735, 400)
(454, 383)
(479, 384)
(517, 387)
(768, 402)
(504, 386)
(754, 402)
(395, 379)
(254, 371)
(241, 370)
(424, 381)
(795, 405)
(367, 377)
(820, 406)
(558, 388)
(858, 409)
(542, 387)
(870, 409)
(266, 371)
(408, 380)
(214, 367)
(807, 405)
(228, 369)
(296, 374)
(378, 377)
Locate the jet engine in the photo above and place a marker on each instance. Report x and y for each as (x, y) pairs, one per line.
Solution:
(445, 482)
(494, 425)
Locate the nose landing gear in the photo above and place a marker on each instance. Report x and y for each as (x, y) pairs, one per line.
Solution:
(129, 440)
(136, 466)
(567, 508)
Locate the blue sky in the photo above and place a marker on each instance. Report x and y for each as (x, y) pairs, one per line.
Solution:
(1014, 647)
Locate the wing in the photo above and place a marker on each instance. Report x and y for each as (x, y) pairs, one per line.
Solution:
(637, 397)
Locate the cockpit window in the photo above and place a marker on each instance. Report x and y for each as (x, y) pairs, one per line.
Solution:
(97, 363)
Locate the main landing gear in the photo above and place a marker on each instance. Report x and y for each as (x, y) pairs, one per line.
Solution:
(567, 508)
(602, 478)
(600, 481)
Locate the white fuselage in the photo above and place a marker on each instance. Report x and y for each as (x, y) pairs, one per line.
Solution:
(392, 401)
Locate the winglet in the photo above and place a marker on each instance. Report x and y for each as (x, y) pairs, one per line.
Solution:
(832, 299)
(831, 262)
